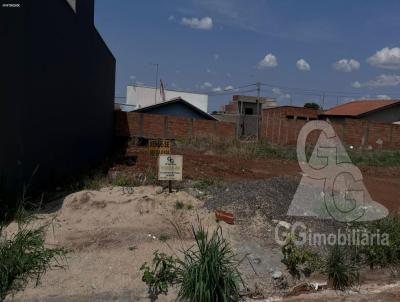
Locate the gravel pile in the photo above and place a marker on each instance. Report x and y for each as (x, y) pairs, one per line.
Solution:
(270, 197)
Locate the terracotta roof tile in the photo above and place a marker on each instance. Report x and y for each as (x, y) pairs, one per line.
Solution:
(357, 108)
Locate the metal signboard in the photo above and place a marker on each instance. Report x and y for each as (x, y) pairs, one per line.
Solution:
(170, 167)
(159, 146)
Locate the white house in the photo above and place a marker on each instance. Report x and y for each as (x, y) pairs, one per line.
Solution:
(141, 96)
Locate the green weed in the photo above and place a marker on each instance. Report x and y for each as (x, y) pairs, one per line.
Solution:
(179, 205)
(164, 237)
(124, 181)
(383, 158)
(341, 271)
(160, 275)
(298, 260)
(207, 272)
(24, 257)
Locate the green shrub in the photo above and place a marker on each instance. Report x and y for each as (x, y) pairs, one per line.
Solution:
(24, 257)
(299, 260)
(341, 271)
(206, 273)
(160, 275)
(380, 255)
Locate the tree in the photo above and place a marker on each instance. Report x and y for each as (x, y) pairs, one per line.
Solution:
(312, 105)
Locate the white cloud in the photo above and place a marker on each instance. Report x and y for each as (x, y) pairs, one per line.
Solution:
(216, 56)
(206, 85)
(228, 74)
(383, 80)
(370, 97)
(276, 91)
(132, 77)
(205, 23)
(388, 58)
(383, 97)
(280, 95)
(303, 65)
(208, 70)
(217, 89)
(269, 61)
(346, 65)
(229, 87)
(171, 18)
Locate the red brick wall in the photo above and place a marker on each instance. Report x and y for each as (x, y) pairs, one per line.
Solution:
(153, 125)
(277, 129)
(133, 124)
(231, 108)
(178, 127)
(299, 112)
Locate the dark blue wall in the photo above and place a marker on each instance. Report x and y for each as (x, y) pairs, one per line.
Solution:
(57, 91)
(176, 109)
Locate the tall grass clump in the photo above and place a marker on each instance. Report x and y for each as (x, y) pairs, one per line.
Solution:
(206, 272)
(341, 271)
(24, 257)
(23, 254)
(209, 272)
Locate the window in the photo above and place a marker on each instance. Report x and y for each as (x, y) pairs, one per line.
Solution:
(248, 111)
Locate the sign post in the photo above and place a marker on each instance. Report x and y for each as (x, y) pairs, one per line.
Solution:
(170, 168)
(159, 146)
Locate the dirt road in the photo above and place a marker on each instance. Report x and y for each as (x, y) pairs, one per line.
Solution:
(383, 183)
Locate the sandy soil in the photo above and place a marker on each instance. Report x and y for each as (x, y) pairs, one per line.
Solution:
(110, 234)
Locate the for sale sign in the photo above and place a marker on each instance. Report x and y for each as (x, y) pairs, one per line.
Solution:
(170, 167)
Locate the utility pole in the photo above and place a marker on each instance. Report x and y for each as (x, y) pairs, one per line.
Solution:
(155, 93)
(258, 109)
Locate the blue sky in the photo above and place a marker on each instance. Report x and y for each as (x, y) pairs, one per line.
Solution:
(298, 49)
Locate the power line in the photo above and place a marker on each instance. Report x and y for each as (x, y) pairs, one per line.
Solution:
(319, 92)
(232, 92)
(229, 89)
(323, 95)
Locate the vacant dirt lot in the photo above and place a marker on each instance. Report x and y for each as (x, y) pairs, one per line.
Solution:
(383, 183)
(111, 232)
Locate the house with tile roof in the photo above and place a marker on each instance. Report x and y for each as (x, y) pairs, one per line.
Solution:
(381, 111)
